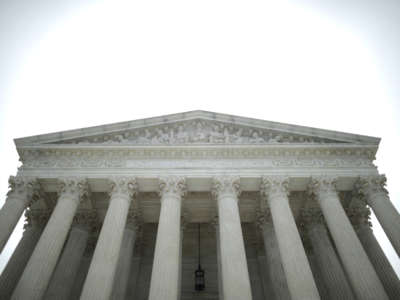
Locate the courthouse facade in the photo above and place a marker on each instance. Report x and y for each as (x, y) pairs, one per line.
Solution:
(129, 211)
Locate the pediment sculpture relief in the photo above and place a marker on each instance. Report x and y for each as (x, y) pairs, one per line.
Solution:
(199, 132)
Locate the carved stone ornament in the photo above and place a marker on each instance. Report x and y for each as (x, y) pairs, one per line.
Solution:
(166, 158)
(370, 185)
(172, 185)
(311, 216)
(184, 221)
(123, 186)
(134, 220)
(86, 218)
(25, 188)
(75, 187)
(36, 217)
(199, 132)
(226, 185)
(272, 186)
(322, 185)
(263, 217)
(358, 212)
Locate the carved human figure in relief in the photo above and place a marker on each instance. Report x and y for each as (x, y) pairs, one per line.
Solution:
(216, 135)
(256, 138)
(239, 136)
(200, 134)
(181, 135)
(275, 139)
(146, 138)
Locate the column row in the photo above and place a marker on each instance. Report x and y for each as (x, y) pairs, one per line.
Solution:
(295, 271)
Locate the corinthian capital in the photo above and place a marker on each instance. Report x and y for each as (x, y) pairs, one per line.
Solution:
(368, 185)
(25, 188)
(263, 217)
(75, 187)
(223, 185)
(322, 185)
(122, 186)
(311, 216)
(36, 217)
(173, 185)
(274, 185)
(86, 218)
(134, 219)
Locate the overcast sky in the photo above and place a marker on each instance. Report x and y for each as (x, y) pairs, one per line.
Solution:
(327, 64)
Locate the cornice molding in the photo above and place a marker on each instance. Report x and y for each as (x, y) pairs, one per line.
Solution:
(125, 157)
(204, 116)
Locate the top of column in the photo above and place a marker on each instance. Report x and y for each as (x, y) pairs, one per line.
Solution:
(367, 185)
(172, 186)
(123, 186)
(26, 188)
(226, 185)
(274, 185)
(75, 187)
(322, 184)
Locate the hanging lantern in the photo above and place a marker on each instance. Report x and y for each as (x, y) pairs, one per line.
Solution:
(199, 279)
(199, 282)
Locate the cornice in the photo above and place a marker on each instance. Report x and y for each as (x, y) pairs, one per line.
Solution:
(204, 151)
(244, 156)
(192, 115)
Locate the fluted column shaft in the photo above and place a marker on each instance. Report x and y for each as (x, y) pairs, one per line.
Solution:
(273, 256)
(235, 274)
(380, 262)
(124, 260)
(362, 276)
(16, 265)
(100, 277)
(22, 192)
(219, 267)
(164, 282)
(359, 216)
(329, 264)
(294, 260)
(82, 272)
(37, 274)
(62, 281)
(373, 188)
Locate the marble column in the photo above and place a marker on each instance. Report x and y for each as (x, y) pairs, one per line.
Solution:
(16, 265)
(266, 280)
(219, 267)
(133, 278)
(63, 278)
(325, 255)
(376, 195)
(184, 222)
(125, 256)
(33, 282)
(164, 282)
(362, 276)
(100, 277)
(273, 256)
(84, 265)
(359, 217)
(235, 274)
(23, 191)
(294, 260)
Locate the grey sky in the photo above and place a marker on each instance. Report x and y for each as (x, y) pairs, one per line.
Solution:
(327, 64)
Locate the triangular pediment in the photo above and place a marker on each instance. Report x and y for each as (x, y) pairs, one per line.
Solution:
(197, 127)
